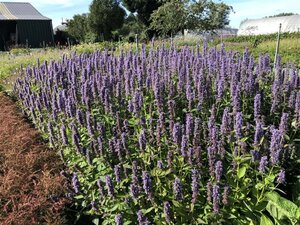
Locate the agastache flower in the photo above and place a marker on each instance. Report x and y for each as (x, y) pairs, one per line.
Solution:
(184, 146)
(225, 126)
(119, 219)
(75, 183)
(195, 185)
(257, 105)
(225, 195)
(216, 198)
(255, 155)
(142, 141)
(177, 134)
(147, 183)
(259, 132)
(64, 135)
(238, 125)
(177, 188)
(218, 170)
(159, 164)
(110, 186)
(134, 190)
(142, 219)
(118, 172)
(275, 146)
(167, 212)
(283, 127)
(263, 164)
(281, 177)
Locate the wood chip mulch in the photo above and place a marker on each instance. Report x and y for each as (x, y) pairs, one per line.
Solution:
(31, 188)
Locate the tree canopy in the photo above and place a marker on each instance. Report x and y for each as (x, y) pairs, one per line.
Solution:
(143, 8)
(78, 27)
(176, 15)
(105, 16)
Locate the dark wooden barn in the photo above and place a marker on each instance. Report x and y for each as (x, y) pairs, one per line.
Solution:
(21, 24)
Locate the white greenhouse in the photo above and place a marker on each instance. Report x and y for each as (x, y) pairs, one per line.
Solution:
(270, 25)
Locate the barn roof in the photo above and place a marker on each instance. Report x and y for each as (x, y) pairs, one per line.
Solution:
(19, 11)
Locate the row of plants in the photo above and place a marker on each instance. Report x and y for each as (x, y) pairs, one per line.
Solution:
(257, 39)
(172, 137)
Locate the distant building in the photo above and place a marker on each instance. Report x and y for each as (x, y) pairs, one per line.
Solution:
(22, 24)
(270, 25)
(210, 35)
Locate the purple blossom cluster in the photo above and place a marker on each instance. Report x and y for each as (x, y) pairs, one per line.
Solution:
(149, 115)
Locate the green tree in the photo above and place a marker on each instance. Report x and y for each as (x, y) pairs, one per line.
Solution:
(105, 16)
(143, 8)
(176, 15)
(78, 27)
(169, 18)
(131, 27)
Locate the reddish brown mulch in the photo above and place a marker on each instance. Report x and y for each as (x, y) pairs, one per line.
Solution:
(31, 187)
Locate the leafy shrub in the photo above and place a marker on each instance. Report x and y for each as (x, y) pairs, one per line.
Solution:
(18, 51)
(172, 137)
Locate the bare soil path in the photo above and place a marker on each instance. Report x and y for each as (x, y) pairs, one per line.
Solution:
(31, 188)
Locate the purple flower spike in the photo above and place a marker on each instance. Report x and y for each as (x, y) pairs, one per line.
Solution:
(263, 164)
(255, 155)
(118, 172)
(216, 198)
(142, 141)
(225, 195)
(64, 135)
(142, 219)
(257, 105)
(159, 164)
(147, 183)
(109, 185)
(195, 185)
(259, 133)
(225, 127)
(281, 177)
(238, 125)
(177, 188)
(218, 170)
(134, 190)
(283, 127)
(167, 212)
(275, 146)
(177, 133)
(75, 183)
(119, 219)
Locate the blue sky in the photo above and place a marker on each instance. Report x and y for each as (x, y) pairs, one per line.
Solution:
(251, 9)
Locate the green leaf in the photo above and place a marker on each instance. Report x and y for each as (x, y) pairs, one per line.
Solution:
(264, 220)
(241, 172)
(148, 210)
(279, 206)
(96, 221)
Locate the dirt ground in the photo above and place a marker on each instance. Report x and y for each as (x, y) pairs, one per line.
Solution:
(31, 188)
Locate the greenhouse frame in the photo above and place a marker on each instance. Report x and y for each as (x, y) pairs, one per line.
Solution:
(270, 25)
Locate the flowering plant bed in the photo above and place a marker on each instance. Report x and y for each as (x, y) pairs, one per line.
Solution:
(172, 137)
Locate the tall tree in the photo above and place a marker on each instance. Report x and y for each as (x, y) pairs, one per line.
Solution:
(105, 16)
(143, 8)
(78, 27)
(176, 15)
(169, 18)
